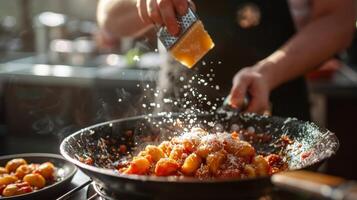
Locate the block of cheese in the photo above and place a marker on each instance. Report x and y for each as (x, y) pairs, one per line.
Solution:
(193, 45)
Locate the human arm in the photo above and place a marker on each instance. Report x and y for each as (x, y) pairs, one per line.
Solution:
(329, 31)
(120, 18)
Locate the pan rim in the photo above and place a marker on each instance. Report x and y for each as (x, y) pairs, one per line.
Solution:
(175, 180)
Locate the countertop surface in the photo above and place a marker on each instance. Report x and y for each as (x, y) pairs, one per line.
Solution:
(342, 83)
(24, 70)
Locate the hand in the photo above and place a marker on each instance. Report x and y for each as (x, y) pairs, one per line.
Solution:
(104, 41)
(250, 81)
(119, 19)
(163, 12)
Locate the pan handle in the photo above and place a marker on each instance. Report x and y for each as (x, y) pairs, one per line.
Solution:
(326, 186)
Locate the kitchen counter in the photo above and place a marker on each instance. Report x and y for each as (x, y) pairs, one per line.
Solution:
(344, 82)
(51, 100)
(24, 70)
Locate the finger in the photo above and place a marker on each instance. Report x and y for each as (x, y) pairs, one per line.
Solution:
(154, 12)
(142, 10)
(169, 17)
(181, 6)
(192, 5)
(267, 112)
(259, 99)
(238, 93)
(260, 93)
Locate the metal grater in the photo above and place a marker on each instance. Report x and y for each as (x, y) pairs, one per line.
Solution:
(185, 23)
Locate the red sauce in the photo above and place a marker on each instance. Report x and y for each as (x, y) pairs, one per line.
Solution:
(306, 155)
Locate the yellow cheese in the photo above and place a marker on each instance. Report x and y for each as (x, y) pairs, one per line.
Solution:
(193, 45)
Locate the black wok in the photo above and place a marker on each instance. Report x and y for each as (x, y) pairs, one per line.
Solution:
(312, 145)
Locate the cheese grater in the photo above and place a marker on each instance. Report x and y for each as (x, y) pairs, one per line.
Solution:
(191, 44)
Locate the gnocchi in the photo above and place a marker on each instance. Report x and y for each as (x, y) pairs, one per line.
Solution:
(249, 171)
(215, 160)
(155, 152)
(166, 167)
(261, 166)
(139, 165)
(166, 147)
(191, 164)
(22, 171)
(35, 180)
(176, 153)
(3, 170)
(203, 155)
(8, 179)
(16, 189)
(46, 170)
(19, 177)
(13, 164)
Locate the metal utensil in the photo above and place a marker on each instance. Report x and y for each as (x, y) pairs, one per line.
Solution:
(192, 43)
(185, 22)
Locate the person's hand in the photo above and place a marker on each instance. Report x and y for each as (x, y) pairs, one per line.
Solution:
(104, 41)
(163, 12)
(250, 82)
(119, 19)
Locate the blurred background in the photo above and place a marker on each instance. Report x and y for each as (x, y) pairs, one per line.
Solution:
(55, 79)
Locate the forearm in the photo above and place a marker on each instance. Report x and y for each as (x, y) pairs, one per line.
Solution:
(120, 18)
(315, 43)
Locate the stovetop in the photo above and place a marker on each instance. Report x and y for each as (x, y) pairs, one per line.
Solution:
(79, 179)
(90, 192)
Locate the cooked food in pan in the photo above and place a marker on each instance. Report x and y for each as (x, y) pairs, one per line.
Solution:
(100, 151)
(203, 155)
(19, 177)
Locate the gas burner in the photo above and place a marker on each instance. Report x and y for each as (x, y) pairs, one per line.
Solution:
(102, 194)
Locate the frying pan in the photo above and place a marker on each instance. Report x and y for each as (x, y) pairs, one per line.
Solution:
(67, 171)
(312, 145)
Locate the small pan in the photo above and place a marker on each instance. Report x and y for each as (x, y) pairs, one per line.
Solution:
(65, 169)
